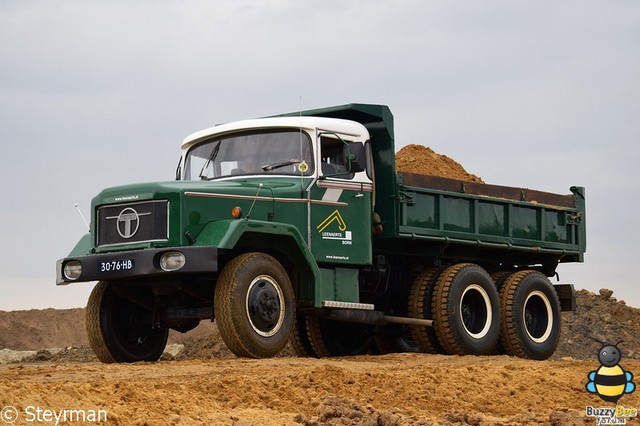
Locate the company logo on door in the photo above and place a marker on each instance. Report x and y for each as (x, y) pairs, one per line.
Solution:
(335, 228)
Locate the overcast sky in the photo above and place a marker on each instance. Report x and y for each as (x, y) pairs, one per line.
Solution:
(538, 94)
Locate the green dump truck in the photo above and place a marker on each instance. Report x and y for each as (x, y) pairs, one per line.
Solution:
(297, 228)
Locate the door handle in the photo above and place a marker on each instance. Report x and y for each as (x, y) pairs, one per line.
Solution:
(358, 195)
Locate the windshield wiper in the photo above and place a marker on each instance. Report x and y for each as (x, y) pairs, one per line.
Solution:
(212, 157)
(279, 164)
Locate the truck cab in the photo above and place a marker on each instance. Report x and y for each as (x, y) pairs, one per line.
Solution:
(302, 171)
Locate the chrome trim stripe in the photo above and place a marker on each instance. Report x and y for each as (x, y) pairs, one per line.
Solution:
(243, 197)
(353, 186)
(260, 198)
(330, 203)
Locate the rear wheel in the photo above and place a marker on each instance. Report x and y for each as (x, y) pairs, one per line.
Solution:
(530, 316)
(419, 306)
(254, 306)
(395, 338)
(300, 339)
(338, 338)
(466, 310)
(499, 278)
(121, 330)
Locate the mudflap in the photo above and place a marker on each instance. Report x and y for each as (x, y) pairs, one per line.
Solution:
(567, 296)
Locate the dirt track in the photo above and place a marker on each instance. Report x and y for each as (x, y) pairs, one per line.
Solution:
(367, 390)
(211, 386)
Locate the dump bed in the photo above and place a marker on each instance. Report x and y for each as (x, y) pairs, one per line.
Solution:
(438, 218)
(491, 223)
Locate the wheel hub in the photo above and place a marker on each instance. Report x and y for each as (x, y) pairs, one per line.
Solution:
(528, 319)
(475, 311)
(133, 328)
(264, 305)
(267, 305)
(538, 316)
(466, 315)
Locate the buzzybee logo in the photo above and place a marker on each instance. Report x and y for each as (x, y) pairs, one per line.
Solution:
(610, 382)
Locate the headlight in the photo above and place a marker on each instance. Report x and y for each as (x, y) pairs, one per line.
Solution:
(172, 261)
(72, 270)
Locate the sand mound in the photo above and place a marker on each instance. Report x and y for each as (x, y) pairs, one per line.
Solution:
(423, 160)
(39, 329)
(599, 318)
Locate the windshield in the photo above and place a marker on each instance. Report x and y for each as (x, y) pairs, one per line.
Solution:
(283, 152)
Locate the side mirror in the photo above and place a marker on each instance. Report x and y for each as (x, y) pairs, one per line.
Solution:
(357, 157)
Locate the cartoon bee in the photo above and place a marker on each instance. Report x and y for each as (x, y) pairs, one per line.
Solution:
(610, 381)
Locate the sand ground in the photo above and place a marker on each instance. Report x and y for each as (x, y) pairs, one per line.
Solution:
(366, 390)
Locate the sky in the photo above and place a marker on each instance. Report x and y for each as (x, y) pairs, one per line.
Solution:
(536, 94)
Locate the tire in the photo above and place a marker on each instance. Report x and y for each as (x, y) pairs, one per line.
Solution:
(466, 310)
(300, 339)
(500, 277)
(338, 338)
(419, 306)
(530, 316)
(120, 330)
(395, 338)
(254, 306)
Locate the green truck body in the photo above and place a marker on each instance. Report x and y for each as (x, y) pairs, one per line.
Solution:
(326, 246)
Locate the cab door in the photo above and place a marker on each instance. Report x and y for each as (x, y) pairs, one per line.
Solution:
(340, 221)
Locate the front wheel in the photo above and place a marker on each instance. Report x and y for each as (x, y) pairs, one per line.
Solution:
(530, 315)
(254, 306)
(121, 330)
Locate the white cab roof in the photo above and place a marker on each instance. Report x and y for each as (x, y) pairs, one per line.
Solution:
(343, 127)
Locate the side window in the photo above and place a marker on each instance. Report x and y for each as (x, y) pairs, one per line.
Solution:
(333, 158)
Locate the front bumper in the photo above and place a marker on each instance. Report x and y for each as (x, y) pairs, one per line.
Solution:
(139, 264)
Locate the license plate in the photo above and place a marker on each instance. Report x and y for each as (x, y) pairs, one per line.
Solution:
(116, 265)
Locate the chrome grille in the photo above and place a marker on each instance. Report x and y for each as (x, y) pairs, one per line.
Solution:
(133, 223)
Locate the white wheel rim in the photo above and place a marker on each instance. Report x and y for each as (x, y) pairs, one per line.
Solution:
(487, 305)
(280, 321)
(549, 311)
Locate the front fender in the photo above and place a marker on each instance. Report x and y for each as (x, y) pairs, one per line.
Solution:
(83, 247)
(262, 235)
